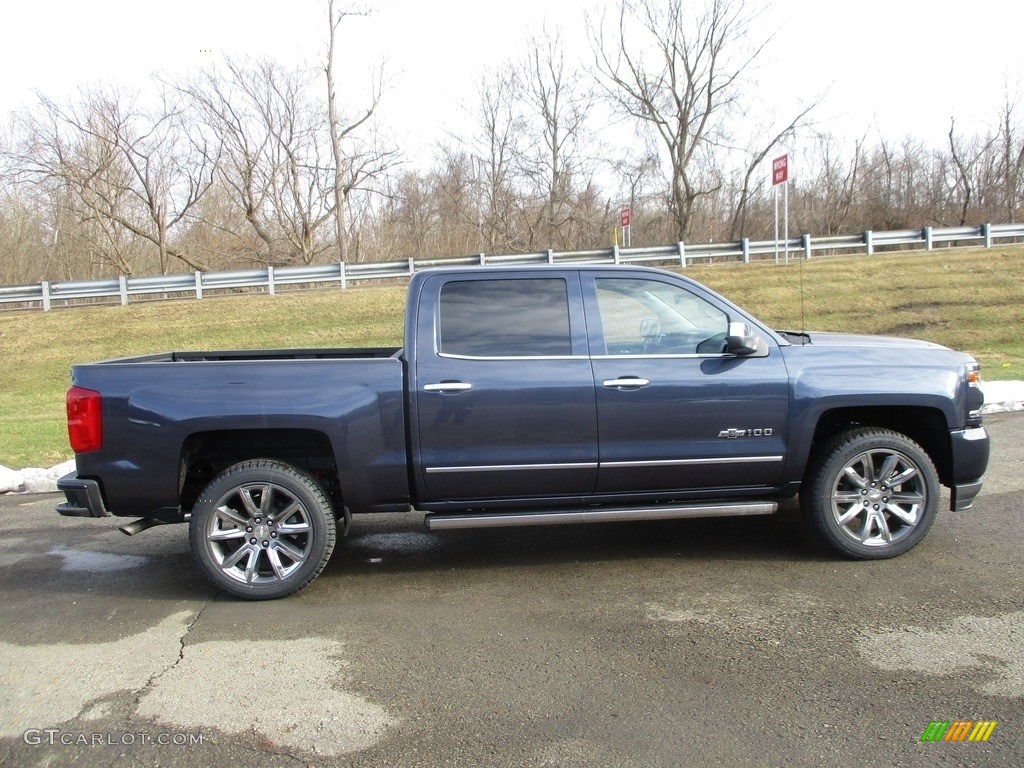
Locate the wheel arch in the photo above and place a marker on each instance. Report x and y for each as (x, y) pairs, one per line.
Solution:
(205, 455)
(925, 426)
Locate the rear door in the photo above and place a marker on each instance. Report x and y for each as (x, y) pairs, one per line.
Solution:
(675, 411)
(504, 403)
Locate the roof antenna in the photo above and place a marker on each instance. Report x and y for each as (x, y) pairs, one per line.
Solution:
(803, 320)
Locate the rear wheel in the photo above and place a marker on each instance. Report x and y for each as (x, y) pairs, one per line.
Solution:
(262, 530)
(871, 493)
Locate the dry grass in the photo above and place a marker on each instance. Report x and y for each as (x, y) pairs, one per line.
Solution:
(969, 300)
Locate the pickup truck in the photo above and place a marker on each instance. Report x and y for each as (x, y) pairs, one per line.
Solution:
(528, 396)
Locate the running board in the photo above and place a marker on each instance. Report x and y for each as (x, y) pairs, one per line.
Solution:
(445, 522)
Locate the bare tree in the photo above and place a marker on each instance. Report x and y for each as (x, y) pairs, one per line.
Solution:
(833, 187)
(277, 158)
(965, 155)
(132, 168)
(23, 256)
(640, 188)
(556, 105)
(1010, 161)
(225, 102)
(75, 153)
(498, 126)
(681, 75)
(755, 164)
(459, 208)
(357, 159)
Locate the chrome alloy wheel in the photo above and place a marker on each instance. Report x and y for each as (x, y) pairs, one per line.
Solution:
(259, 533)
(878, 497)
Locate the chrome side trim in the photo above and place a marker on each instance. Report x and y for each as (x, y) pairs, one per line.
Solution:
(676, 356)
(451, 356)
(510, 467)
(691, 462)
(441, 522)
(605, 464)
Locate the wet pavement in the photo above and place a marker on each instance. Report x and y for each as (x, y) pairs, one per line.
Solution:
(717, 642)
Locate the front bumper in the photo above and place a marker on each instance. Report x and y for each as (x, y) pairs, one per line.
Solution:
(83, 497)
(961, 497)
(970, 460)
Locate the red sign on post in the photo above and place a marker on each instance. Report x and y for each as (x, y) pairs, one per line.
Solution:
(624, 217)
(780, 170)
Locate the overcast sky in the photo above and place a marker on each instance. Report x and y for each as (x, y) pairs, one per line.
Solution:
(902, 67)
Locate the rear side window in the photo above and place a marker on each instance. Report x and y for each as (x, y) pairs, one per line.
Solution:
(505, 318)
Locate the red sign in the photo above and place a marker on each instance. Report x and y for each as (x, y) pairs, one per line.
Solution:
(624, 217)
(780, 170)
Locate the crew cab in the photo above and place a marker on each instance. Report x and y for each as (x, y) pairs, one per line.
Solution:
(528, 396)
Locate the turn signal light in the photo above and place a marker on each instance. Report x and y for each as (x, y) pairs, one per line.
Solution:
(85, 421)
(973, 373)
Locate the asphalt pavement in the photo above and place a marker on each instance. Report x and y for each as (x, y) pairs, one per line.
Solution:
(679, 643)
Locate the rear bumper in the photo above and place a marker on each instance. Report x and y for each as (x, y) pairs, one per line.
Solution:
(970, 460)
(83, 497)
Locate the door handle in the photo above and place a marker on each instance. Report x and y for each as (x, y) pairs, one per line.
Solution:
(625, 382)
(448, 387)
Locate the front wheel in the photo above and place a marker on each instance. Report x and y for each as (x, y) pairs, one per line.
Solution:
(262, 530)
(871, 493)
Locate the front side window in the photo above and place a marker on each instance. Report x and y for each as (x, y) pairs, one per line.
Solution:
(648, 317)
(505, 318)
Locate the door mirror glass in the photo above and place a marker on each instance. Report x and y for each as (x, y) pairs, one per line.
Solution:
(741, 340)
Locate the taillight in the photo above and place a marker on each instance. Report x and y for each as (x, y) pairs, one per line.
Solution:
(85, 423)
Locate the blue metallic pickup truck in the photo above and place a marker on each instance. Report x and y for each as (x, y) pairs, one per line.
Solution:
(528, 396)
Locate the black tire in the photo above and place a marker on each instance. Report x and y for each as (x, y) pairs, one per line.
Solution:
(871, 493)
(262, 530)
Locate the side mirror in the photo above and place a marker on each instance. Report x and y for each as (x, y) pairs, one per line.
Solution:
(741, 340)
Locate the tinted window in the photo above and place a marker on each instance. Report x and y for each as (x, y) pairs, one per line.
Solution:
(647, 317)
(505, 318)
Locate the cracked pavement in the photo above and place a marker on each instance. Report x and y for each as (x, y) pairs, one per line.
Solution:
(652, 644)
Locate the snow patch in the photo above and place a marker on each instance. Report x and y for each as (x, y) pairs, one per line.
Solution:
(34, 479)
(1003, 396)
(10, 481)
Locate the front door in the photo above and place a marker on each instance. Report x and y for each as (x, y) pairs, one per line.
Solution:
(675, 411)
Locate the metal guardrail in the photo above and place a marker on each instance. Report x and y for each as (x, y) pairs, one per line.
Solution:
(44, 295)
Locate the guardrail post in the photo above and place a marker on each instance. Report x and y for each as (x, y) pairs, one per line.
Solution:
(932, 237)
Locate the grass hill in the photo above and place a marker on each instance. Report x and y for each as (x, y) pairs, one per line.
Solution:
(972, 300)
